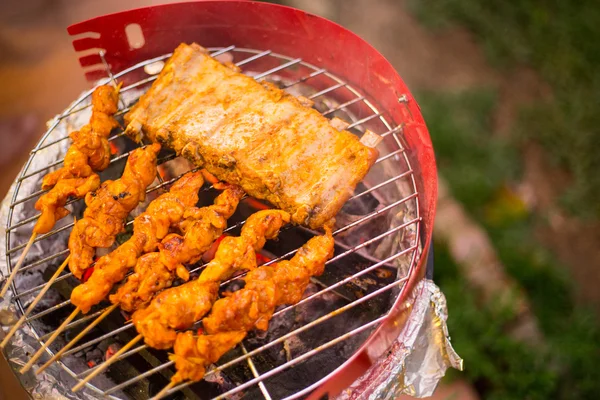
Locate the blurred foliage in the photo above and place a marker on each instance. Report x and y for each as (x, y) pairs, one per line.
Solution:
(561, 40)
(479, 168)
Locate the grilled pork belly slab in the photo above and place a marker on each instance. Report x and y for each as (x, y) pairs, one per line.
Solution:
(251, 134)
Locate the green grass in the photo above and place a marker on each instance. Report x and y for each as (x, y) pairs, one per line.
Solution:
(561, 40)
(480, 169)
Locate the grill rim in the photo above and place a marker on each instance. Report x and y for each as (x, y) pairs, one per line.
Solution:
(415, 267)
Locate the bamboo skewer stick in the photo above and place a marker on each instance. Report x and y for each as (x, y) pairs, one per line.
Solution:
(164, 391)
(77, 338)
(107, 363)
(37, 299)
(19, 263)
(50, 340)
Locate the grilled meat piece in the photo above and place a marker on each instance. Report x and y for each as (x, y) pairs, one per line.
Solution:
(251, 134)
(52, 204)
(266, 288)
(180, 307)
(193, 354)
(156, 271)
(89, 152)
(108, 207)
(149, 228)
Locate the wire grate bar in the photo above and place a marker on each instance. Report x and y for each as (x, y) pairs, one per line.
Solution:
(77, 322)
(276, 69)
(48, 311)
(343, 105)
(99, 339)
(362, 121)
(40, 287)
(392, 154)
(393, 131)
(252, 58)
(382, 184)
(44, 260)
(325, 91)
(41, 237)
(305, 78)
(373, 240)
(124, 355)
(138, 377)
(261, 385)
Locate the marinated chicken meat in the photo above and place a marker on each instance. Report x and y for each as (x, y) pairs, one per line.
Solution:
(156, 271)
(108, 207)
(252, 307)
(149, 228)
(52, 204)
(180, 307)
(251, 134)
(89, 152)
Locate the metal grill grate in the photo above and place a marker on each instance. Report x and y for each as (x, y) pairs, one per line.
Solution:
(363, 115)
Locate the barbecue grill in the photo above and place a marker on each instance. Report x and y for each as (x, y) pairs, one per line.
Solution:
(349, 316)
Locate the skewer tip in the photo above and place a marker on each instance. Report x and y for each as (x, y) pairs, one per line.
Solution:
(17, 267)
(34, 303)
(76, 339)
(52, 338)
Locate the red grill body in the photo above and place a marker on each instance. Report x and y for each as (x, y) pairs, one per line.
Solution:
(295, 33)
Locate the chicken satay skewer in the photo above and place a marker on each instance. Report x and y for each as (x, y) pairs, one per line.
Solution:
(104, 218)
(109, 206)
(266, 288)
(167, 311)
(165, 211)
(88, 152)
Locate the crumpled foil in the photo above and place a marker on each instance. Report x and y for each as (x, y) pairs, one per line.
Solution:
(414, 365)
(418, 359)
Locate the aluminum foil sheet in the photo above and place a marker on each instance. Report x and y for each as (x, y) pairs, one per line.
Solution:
(418, 359)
